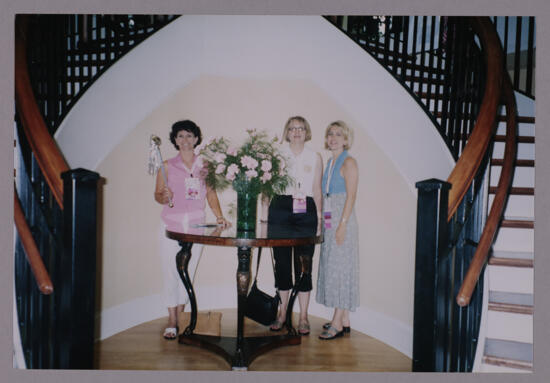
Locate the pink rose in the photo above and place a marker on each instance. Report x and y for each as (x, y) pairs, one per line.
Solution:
(251, 174)
(249, 162)
(232, 170)
(266, 177)
(198, 148)
(220, 168)
(220, 157)
(266, 165)
(232, 151)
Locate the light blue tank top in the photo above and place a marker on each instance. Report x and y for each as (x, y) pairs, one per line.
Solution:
(337, 182)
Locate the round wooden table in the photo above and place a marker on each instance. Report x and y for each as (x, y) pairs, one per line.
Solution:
(240, 351)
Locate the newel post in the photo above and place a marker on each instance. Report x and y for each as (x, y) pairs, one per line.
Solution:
(77, 270)
(429, 326)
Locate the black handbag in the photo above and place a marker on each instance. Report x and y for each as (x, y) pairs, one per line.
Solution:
(261, 307)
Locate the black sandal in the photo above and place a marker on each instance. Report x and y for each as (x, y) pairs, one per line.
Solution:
(345, 329)
(331, 333)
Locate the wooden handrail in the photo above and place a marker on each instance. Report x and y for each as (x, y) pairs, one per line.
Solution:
(45, 150)
(497, 209)
(467, 165)
(31, 250)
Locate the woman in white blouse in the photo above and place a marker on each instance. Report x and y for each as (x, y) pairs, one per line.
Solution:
(300, 206)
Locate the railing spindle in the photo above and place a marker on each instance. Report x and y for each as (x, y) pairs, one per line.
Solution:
(530, 49)
(517, 53)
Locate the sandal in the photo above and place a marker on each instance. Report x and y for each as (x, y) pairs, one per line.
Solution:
(331, 333)
(170, 333)
(345, 329)
(277, 325)
(303, 328)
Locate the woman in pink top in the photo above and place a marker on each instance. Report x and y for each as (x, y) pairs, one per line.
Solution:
(184, 200)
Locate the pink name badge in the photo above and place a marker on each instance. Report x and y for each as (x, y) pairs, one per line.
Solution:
(299, 205)
(192, 188)
(327, 216)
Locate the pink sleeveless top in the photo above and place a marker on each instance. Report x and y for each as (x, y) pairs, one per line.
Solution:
(185, 210)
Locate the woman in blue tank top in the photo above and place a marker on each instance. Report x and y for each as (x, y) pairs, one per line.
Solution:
(338, 281)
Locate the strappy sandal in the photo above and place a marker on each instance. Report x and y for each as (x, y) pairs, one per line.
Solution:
(331, 333)
(303, 328)
(345, 329)
(277, 325)
(170, 333)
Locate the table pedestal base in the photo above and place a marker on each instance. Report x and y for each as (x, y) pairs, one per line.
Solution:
(239, 354)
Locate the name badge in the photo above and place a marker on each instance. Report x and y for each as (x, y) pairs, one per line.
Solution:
(299, 205)
(192, 188)
(327, 215)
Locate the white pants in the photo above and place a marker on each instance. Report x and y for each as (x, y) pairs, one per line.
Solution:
(174, 290)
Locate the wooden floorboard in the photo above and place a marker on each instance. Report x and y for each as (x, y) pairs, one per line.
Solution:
(143, 348)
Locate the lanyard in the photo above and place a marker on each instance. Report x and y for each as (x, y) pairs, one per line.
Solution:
(195, 161)
(329, 178)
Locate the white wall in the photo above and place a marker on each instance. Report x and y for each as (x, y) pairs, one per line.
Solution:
(231, 73)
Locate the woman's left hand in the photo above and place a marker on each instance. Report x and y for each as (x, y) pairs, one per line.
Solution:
(223, 222)
(340, 234)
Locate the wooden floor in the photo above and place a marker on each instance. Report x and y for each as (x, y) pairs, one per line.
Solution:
(143, 348)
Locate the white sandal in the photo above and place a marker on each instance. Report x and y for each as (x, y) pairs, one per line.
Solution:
(170, 333)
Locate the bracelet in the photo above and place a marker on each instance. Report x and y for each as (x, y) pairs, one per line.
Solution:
(220, 217)
(343, 220)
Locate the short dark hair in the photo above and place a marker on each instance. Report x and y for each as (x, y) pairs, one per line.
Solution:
(188, 126)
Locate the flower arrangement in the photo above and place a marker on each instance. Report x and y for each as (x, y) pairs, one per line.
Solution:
(256, 167)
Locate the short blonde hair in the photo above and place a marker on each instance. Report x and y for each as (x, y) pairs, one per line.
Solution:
(300, 119)
(346, 130)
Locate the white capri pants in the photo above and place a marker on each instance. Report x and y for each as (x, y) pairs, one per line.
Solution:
(174, 290)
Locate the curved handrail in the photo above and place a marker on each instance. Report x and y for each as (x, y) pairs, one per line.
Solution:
(467, 165)
(45, 149)
(31, 250)
(499, 202)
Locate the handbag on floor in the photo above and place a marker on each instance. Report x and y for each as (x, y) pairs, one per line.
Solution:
(260, 306)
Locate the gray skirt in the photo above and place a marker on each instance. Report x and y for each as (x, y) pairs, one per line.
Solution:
(338, 280)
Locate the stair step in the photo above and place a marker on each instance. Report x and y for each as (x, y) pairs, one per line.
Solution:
(515, 190)
(511, 302)
(511, 279)
(523, 176)
(513, 239)
(524, 150)
(522, 119)
(511, 262)
(510, 316)
(513, 254)
(517, 205)
(508, 353)
(518, 223)
(522, 139)
(523, 129)
(500, 162)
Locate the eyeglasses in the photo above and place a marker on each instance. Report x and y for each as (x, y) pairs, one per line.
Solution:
(297, 128)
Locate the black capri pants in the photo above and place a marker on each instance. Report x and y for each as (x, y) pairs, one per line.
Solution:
(280, 212)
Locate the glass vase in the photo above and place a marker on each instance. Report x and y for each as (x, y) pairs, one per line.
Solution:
(247, 204)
